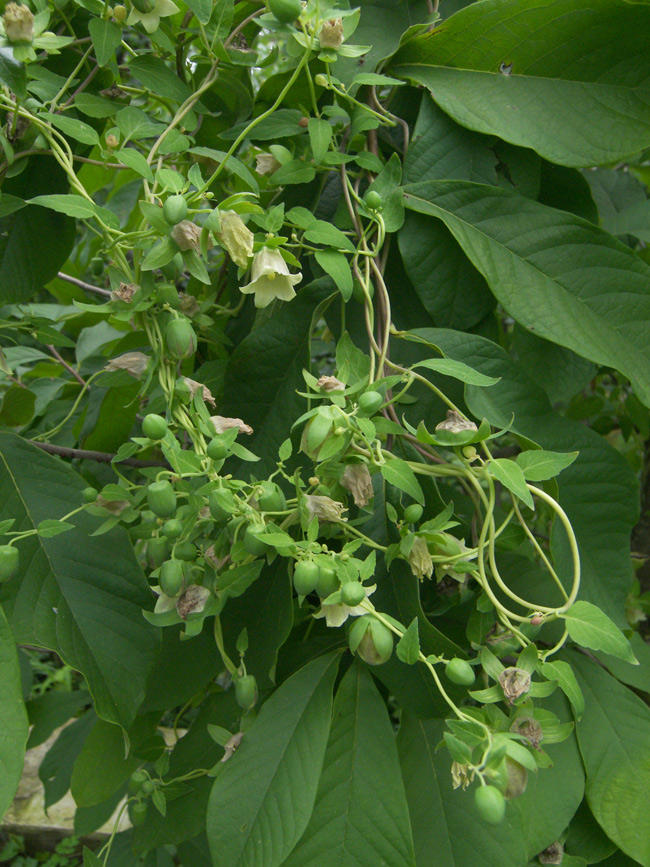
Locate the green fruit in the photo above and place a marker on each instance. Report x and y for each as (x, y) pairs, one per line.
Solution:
(97, 266)
(9, 557)
(217, 449)
(157, 551)
(317, 430)
(171, 578)
(459, 671)
(327, 582)
(172, 528)
(490, 804)
(185, 551)
(352, 593)
(89, 495)
(161, 498)
(221, 504)
(154, 426)
(374, 201)
(175, 210)
(138, 813)
(271, 499)
(246, 691)
(369, 402)
(168, 295)
(286, 11)
(253, 544)
(181, 339)
(148, 787)
(413, 513)
(371, 640)
(136, 781)
(305, 577)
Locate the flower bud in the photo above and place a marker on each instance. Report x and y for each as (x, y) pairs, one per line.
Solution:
(331, 34)
(112, 141)
(119, 14)
(181, 338)
(371, 640)
(18, 23)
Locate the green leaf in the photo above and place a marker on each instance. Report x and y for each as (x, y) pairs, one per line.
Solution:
(614, 738)
(106, 36)
(337, 266)
(563, 673)
(100, 768)
(71, 597)
(74, 128)
(408, 647)
(511, 476)
(201, 8)
(17, 406)
(90, 859)
(158, 77)
(544, 288)
(398, 473)
(95, 106)
(590, 627)
(350, 824)
(320, 136)
(10, 204)
(540, 465)
(70, 204)
(463, 372)
(444, 820)
(293, 172)
(135, 160)
(550, 76)
(13, 75)
(272, 779)
(321, 232)
(51, 527)
(14, 727)
(160, 254)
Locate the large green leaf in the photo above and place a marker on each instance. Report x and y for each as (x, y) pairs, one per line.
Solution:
(14, 727)
(568, 78)
(262, 800)
(265, 371)
(447, 831)
(360, 817)
(614, 738)
(598, 491)
(101, 767)
(78, 595)
(556, 274)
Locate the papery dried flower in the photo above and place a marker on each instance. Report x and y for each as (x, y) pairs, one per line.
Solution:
(324, 508)
(553, 854)
(528, 727)
(330, 383)
(517, 779)
(18, 22)
(331, 34)
(222, 424)
(460, 776)
(124, 292)
(357, 480)
(194, 386)
(271, 278)
(455, 422)
(216, 562)
(420, 559)
(115, 507)
(266, 164)
(236, 238)
(232, 745)
(112, 141)
(187, 235)
(514, 682)
(134, 363)
(192, 601)
(189, 306)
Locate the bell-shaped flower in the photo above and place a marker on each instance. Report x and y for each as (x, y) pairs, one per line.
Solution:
(271, 278)
(236, 238)
(420, 558)
(357, 480)
(151, 20)
(331, 34)
(336, 614)
(324, 508)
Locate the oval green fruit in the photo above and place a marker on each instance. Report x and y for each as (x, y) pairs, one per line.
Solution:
(374, 201)
(174, 209)
(352, 593)
(413, 513)
(157, 551)
(181, 338)
(217, 449)
(221, 504)
(246, 691)
(89, 495)
(327, 582)
(161, 499)
(271, 499)
(490, 804)
(136, 780)
(370, 401)
(286, 11)
(9, 558)
(253, 544)
(172, 528)
(154, 426)
(171, 578)
(148, 787)
(459, 671)
(305, 577)
(138, 813)
(185, 551)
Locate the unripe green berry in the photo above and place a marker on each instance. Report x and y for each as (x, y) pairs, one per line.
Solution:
(154, 426)
(161, 499)
(305, 577)
(374, 201)
(89, 495)
(246, 691)
(9, 558)
(175, 210)
(136, 781)
(352, 593)
(185, 551)
(181, 339)
(172, 528)
(327, 582)
(286, 11)
(459, 671)
(490, 804)
(369, 402)
(413, 513)
(171, 578)
(253, 544)
(217, 449)
(138, 813)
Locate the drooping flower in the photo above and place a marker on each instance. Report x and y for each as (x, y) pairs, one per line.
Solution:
(455, 422)
(194, 386)
(124, 292)
(330, 383)
(356, 479)
(18, 23)
(222, 424)
(271, 278)
(324, 508)
(331, 34)
(236, 237)
(266, 164)
(187, 235)
(192, 601)
(134, 363)
(420, 559)
(336, 614)
(151, 20)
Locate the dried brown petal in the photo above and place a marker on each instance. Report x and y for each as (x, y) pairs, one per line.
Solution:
(528, 727)
(356, 479)
(455, 422)
(115, 507)
(125, 292)
(187, 235)
(517, 779)
(553, 854)
(330, 383)
(232, 745)
(325, 508)
(192, 601)
(194, 386)
(222, 423)
(514, 682)
(134, 363)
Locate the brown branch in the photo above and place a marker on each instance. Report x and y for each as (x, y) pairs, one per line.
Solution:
(67, 366)
(100, 457)
(87, 286)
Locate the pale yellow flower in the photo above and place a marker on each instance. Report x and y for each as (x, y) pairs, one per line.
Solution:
(271, 278)
(151, 20)
(356, 479)
(331, 34)
(134, 363)
(18, 23)
(420, 559)
(324, 508)
(236, 237)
